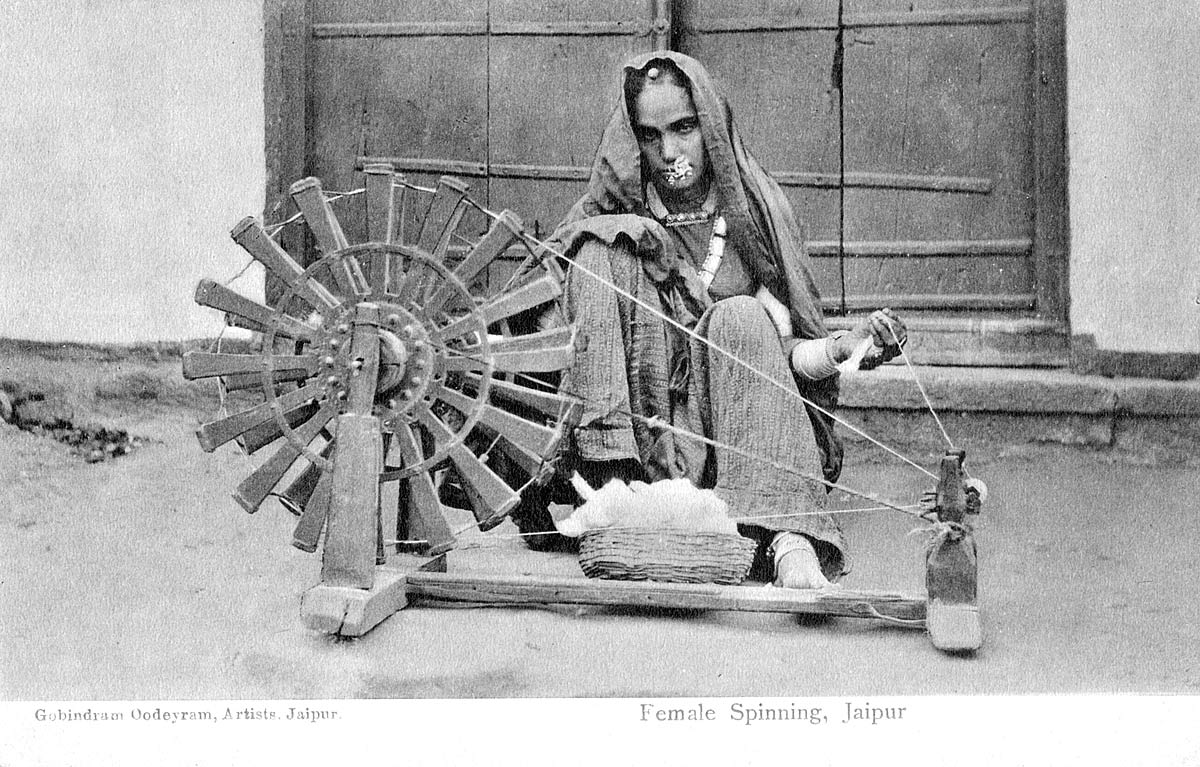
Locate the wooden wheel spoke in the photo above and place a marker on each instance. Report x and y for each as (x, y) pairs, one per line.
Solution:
(267, 432)
(323, 223)
(254, 380)
(337, 278)
(426, 514)
(503, 232)
(490, 496)
(381, 204)
(530, 463)
(460, 326)
(234, 321)
(395, 274)
(207, 364)
(381, 222)
(319, 215)
(527, 296)
(295, 496)
(251, 236)
(541, 352)
(445, 212)
(316, 511)
(254, 489)
(530, 436)
(354, 276)
(378, 273)
(550, 403)
(465, 362)
(416, 280)
(213, 435)
(262, 319)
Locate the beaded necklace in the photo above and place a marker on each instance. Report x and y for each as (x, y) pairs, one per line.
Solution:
(666, 218)
(707, 211)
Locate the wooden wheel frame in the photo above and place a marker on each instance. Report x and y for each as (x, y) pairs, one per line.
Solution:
(398, 364)
(397, 361)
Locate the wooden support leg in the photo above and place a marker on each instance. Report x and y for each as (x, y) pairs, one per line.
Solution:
(352, 530)
(353, 612)
(952, 614)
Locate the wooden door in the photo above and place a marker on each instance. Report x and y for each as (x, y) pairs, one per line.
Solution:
(921, 142)
(938, 133)
(509, 95)
(912, 140)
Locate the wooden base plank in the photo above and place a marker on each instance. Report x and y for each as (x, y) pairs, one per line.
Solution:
(472, 587)
(353, 612)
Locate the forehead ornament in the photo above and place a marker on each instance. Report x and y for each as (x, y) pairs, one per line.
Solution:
(653, 73)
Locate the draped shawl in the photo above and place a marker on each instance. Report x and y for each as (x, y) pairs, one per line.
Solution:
(762, 228)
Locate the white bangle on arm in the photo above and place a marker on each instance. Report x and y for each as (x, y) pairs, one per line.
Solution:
(813, 359)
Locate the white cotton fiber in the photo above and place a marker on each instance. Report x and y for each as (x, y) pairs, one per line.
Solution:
(674, 504)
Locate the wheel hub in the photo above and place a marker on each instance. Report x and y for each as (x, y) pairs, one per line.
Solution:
(407, 359)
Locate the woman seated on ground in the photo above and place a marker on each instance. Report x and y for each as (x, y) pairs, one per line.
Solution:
(680, 215)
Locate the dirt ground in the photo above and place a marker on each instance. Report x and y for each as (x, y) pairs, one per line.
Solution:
(139, 578)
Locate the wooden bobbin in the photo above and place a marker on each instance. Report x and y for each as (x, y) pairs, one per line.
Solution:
(951, 576)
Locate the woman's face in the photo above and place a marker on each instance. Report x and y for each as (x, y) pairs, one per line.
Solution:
(668, 132)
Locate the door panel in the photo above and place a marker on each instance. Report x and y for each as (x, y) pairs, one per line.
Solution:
(553, 85)
(774, 61)
(949, 101)
(394, 96)
(551, 96)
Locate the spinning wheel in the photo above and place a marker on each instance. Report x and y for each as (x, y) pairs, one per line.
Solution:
(412, 363)
(394, 361)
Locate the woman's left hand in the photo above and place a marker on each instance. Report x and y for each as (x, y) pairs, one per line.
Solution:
(887, 333)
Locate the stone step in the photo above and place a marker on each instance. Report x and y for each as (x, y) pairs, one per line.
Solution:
(1153, 420)
(1018, 390)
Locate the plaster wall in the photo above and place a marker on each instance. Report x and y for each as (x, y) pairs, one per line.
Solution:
(1133, 76)
(133, 141)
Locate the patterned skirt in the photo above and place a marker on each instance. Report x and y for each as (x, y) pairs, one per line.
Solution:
(635, 367)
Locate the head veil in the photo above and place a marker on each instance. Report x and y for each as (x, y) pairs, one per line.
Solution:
(762, 227)
(761, 224)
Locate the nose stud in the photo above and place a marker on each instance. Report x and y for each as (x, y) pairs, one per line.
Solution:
(680, 170)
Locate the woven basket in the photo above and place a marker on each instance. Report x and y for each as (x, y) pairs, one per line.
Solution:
(675, 556)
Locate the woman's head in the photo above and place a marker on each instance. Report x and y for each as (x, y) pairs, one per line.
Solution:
(664, 120)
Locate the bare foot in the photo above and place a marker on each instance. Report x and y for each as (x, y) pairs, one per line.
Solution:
(796, 563)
